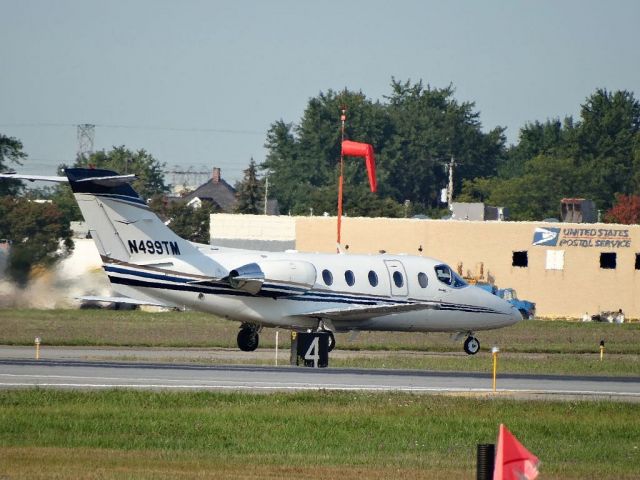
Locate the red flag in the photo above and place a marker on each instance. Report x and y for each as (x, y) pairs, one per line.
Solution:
(357, 149)
(513, 460)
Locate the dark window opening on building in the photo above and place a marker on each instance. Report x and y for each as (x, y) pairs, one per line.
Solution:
(520, 259)
(637, 261)
(608, 260)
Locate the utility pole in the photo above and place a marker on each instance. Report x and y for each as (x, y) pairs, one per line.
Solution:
(452, 163)
(266, 192)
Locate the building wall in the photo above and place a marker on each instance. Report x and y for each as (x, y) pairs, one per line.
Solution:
(580, 286)
(255, 232)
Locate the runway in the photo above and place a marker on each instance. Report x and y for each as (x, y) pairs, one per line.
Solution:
(91, 374)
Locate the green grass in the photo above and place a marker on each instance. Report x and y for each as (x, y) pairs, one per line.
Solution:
(123, 434)
(548, 364)
(194, 329)
(559, 364)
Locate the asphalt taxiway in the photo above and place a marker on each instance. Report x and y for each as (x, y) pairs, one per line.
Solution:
(17, 371)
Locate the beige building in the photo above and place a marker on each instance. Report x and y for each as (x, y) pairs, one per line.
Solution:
(567, 269)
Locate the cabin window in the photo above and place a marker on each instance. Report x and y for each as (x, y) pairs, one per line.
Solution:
(327, 277)
(608, 260)
(520, 259)
(422, 279)
(373, 278)
(349, 277)
(448, 277)
(443, 273)
(458, 282)
(398, 279)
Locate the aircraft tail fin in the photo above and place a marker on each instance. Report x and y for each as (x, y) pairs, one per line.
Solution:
(120, 222)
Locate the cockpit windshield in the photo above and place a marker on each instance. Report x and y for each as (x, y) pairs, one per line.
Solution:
(449, 277)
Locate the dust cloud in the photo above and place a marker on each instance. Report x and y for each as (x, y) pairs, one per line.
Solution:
(79, 274)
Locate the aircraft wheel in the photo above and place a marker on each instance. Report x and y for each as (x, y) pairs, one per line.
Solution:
(471, 345)
(332, 341)
(248, 339)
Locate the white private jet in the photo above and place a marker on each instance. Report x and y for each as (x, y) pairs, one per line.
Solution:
(147, 263)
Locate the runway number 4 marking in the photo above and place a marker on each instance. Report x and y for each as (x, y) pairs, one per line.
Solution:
(313, 352)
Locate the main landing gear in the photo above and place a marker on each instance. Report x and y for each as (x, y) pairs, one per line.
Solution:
(471, 345)
(248, 337)
(332, 340)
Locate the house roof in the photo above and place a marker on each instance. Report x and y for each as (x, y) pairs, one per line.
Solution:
(217, 191)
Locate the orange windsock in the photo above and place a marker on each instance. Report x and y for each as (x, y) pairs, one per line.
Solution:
(357, 149)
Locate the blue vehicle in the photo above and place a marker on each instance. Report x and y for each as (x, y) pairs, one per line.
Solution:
(526, 308)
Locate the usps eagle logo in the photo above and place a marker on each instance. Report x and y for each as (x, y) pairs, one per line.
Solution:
(546, 236)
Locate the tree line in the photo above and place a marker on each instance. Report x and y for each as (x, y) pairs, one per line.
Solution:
(416, 130)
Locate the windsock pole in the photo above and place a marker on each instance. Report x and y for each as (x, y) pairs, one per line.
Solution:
(343, 118)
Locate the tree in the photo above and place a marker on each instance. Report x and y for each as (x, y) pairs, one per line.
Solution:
(10, 153)
(626, 210)
(186, 221)
(536, 194)
(430, 127)
(413, 132)
(150, 179)
(37, 232)
(596, 157)
(535, 138)
(250, 192)
(609, 135)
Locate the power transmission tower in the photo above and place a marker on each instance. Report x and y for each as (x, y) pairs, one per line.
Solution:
(86, 134)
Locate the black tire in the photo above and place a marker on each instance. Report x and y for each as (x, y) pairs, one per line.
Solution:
(471, 345)
(332, 341)
(248, 340)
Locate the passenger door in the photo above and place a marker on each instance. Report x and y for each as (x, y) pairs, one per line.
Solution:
(397, 278)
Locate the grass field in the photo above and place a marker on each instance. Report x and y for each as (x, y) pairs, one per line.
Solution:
(551, 347)
(130, 434)
(193, 329)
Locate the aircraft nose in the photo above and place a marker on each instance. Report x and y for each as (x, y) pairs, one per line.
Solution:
(516, 316)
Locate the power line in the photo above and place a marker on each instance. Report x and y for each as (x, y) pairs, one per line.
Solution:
(136, 127)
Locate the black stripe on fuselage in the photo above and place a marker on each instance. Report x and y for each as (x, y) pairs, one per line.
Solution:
(307, 297)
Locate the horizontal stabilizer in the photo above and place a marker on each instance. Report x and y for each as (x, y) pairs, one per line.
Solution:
(361, 313)
(127, 300)
(34, 178)
(110, 181)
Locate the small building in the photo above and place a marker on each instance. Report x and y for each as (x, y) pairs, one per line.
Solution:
(477, 212)
(216, 192)
(578, 210)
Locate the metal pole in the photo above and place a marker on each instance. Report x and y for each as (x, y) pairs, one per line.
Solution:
(277, 346)
(343, 118)
(266, 193)
(450, 189)
(494, 352)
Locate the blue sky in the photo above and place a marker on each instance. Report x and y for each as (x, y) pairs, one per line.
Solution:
(197, 83)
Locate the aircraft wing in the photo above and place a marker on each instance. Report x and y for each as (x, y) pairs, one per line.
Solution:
(127, 300)
(362, 313)
(34, 178)
(111, 181)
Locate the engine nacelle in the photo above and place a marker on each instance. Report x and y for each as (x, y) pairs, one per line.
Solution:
(277, 277)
